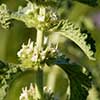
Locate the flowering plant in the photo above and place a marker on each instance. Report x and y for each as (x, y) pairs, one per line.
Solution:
(44, 17)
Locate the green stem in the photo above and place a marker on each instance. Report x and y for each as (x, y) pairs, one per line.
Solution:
(39, 84)
(40, 34)
(39, 40)
(39, 71)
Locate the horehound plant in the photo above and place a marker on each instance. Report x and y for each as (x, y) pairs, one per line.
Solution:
(44, 17)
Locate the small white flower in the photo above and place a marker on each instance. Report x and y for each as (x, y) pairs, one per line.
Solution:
(31, 45)
(29, 8)
(31, 90)
(41, 18)
(34, 58)
(43, 55)
(19, 53)
(26, 49)
(53, 16)
(24, 94)
(23, 46)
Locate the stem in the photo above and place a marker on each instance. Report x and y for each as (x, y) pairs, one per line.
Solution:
(39, 84)
(40, 36)
(39, 71)
(39, 40)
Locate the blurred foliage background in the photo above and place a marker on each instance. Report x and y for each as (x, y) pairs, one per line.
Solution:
(84, 15)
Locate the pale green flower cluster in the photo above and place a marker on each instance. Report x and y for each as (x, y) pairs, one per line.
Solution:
(34, 15)
(30, 55)
(48, 94)
(30, 94)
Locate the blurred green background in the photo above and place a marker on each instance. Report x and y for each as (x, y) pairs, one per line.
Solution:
(12, 39)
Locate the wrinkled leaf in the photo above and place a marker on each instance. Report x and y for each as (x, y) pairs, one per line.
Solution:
(4, 16)
(7, 73)
(74, 33)
(89, 2)
(80, 81)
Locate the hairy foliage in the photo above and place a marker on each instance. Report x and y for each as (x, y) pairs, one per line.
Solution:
(7, 73)
(42, 15)
(4, 16)
(80, 79)
(29, 14)
(74, 33)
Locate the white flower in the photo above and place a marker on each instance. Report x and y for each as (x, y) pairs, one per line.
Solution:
(53, 16)
(30, 44)
(34, 58)
(43, 54)
(41, 18)
(26, 49)
(19, 53)
(24, 94)
(31, 90)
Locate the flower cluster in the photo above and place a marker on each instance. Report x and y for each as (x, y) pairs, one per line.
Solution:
(30, 55)
(51, 14)
(48, 94)
(30, 94)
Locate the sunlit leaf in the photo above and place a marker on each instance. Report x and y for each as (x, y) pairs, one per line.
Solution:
(74, 33)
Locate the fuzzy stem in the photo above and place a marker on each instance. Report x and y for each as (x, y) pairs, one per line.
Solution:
(40, 35)
(39, 84)
(39, 40)
(39, 71)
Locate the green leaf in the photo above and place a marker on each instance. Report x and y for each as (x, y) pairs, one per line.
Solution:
(74, 33)
(80, 80)
(4, 16)
(89, 2)
(7, 73)
(25, 14)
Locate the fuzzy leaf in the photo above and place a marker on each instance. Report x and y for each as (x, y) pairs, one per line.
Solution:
(24, 14)
(89, 2)
(80, 81)
(4, 16)
(70, 31)
(7, 73)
